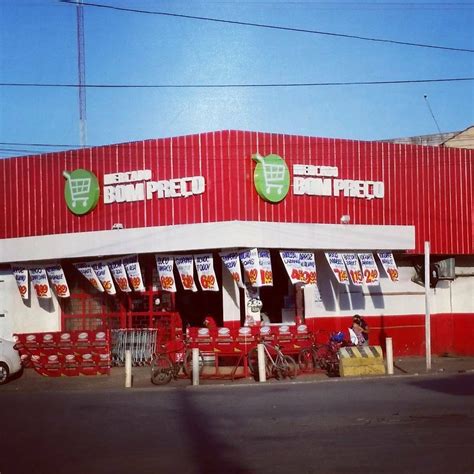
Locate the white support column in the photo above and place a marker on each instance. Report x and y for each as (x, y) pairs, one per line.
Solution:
(389, 351)
(195, 366)
(262, 376)
(128, 368)
(427, 307)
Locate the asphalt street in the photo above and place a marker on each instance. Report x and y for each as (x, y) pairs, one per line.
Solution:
(401, 425)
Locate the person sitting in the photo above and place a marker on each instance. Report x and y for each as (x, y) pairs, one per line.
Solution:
(363, 324)
(358, 331)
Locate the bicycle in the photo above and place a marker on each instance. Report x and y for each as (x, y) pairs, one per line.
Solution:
(277, 364)
(325, 356)
(164, 367)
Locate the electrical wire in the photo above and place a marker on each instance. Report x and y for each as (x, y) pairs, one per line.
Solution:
(229, 86)
(40, 145)
(272, 27)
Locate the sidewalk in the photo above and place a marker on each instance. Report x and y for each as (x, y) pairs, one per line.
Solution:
(30, 381)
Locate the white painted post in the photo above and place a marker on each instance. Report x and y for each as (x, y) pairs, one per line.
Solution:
(128, 368)
(195, 366)
(262, 375)
(389, 350)
(427, 307)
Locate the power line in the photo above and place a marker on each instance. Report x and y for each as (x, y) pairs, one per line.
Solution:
(40, 145)
(272, 27)
(229, 86)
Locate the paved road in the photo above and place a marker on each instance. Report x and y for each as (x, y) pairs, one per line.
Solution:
(402, 425)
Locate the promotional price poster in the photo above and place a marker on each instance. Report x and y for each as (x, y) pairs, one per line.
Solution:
(308, 274)
(338, 267)
(291, 261)
(21, 277)
(39, 280)
(353, 268)
(132, 267)
(185, 266)
(102, 271)
(265, 264)
(89, 273)
(250, 262)
(300, 266)
(117, 269)
(370, 271)
(164, 265)
(205, 270)
(58, 281)
(232, 263)
(389, 265)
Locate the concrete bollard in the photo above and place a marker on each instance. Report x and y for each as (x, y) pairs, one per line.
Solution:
(389, 351)
(195, 366)
(262, 375)
(128, 369)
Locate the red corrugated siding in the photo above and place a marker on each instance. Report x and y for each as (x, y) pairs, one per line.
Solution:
(430, 188)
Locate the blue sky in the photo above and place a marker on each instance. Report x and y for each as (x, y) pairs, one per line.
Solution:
(38, 45)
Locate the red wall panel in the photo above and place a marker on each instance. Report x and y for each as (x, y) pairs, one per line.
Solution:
(429, 187)
(450, 333)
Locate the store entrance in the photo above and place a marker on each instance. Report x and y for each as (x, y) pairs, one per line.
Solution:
(195, 306)
(279, 300)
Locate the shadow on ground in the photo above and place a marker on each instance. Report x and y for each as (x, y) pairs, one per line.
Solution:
(462, 384)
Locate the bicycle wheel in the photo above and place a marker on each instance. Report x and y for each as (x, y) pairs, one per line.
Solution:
(333, 370)
(328, 360)
(287, 367)
(323, 356)
(306, 360)
(161, 370)
(188, 363)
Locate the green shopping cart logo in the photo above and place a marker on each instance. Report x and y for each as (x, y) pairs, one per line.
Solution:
(81, 191)
(271, 177)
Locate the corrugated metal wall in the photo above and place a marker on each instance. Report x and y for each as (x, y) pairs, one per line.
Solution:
(428, 187)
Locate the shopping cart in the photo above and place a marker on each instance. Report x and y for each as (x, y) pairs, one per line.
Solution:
(79, 189)
(272, 174)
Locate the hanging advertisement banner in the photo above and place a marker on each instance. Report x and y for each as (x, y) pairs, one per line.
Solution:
(369, 269)
(265, 264)
(353, 267)
(102, 271)
(205, 270)
(89, 273)
(164, 265)
(291, 261)
(132, 267)
(117, 269)
(58, 280)
(39, 280)
(232, 263)
(389, 265)
(338, 267)
(308, 274)
(21, 277)
(185, 266)
(250, 262)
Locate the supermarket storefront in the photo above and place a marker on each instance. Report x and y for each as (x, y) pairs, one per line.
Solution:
(240, 226)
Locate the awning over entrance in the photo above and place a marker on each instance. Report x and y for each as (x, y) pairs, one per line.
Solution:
(216, 235)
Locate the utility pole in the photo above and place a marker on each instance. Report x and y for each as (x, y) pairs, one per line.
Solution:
(81, 72)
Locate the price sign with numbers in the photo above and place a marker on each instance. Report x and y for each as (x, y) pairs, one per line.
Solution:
(353, 268)
(389, 265)
(370, 271)
(338, 267)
